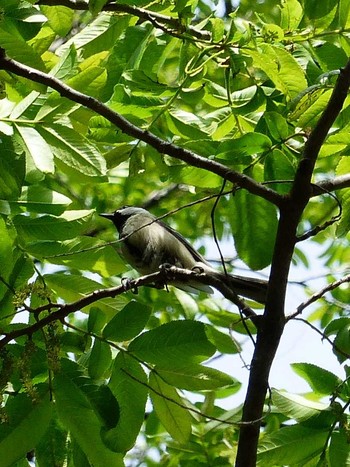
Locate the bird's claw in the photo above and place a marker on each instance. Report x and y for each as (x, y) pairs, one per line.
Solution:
(127, 285)
(197, 269)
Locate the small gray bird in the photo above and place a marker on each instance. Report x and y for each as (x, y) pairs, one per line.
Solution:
(149, 243)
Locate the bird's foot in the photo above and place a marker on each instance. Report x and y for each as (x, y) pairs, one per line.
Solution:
(127, 285)
(197, 269)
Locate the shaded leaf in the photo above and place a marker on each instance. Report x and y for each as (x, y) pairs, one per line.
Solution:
(28, 423)
(170, 409)
(174, 344)
(196, 378)
(127, 383)
(100, 359)
(75, 411)
(128, 323)
(254, 223)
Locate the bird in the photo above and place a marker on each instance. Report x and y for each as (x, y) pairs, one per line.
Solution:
(148, 243)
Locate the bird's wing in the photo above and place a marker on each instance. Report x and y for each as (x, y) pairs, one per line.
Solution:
(198, 257)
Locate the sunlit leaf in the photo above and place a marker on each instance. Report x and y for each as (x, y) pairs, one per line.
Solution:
(68, 225)
(295, 443)
(320, 380)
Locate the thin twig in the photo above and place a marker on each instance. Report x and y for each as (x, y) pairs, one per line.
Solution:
(316, 296)
(324, 336)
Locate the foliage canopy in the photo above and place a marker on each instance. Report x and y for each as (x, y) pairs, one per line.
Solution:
(238, 125)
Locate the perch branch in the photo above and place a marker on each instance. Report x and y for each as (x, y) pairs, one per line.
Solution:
(161, 277)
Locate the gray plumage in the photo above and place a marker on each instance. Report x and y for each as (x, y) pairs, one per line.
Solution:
(149, 243)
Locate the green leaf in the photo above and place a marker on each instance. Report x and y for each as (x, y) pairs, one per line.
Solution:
(314, 9)
(128, 384)
(254, 224)
(321, 381)
(194, 177)
(342, 344)
(72, 287)
(271, 32)
(277, 166)
(60, 18)
(100, 34)
(344, 13)
(229, 320)
(78, 416)
(74, 151)
(68, 225)
(281, 67)
(128, 323)
(247, 145)
(343, 226)
(37, 198)
(336, 143)
(37, 148)
(174, 344)
(277, 126)
(28, 423)
(52, 449)
(187, 125)
(301, 409)
(74, 342)
(100, 359)
(291, 445)
(12, 167)
(95, 6)
(170, 409)
(83, 253)
(224, 343)
(196, 378)
(16, 270)
(340, 327)
(291, 14)
(16, 47)
(339, 449)
(312, 109)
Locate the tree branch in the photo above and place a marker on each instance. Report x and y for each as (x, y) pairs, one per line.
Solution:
(141, 13)
(160, 278)
(316, 296)
(160, 145)
(336, 183)
(272, 325)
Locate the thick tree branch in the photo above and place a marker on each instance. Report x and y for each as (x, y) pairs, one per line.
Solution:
(336, 183)
(141, 13)
(160, 145)
(272, 325)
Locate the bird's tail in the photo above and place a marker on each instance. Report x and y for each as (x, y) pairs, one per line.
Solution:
(248, 287)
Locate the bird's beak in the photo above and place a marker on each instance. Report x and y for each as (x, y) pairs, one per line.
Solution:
(107, 216)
